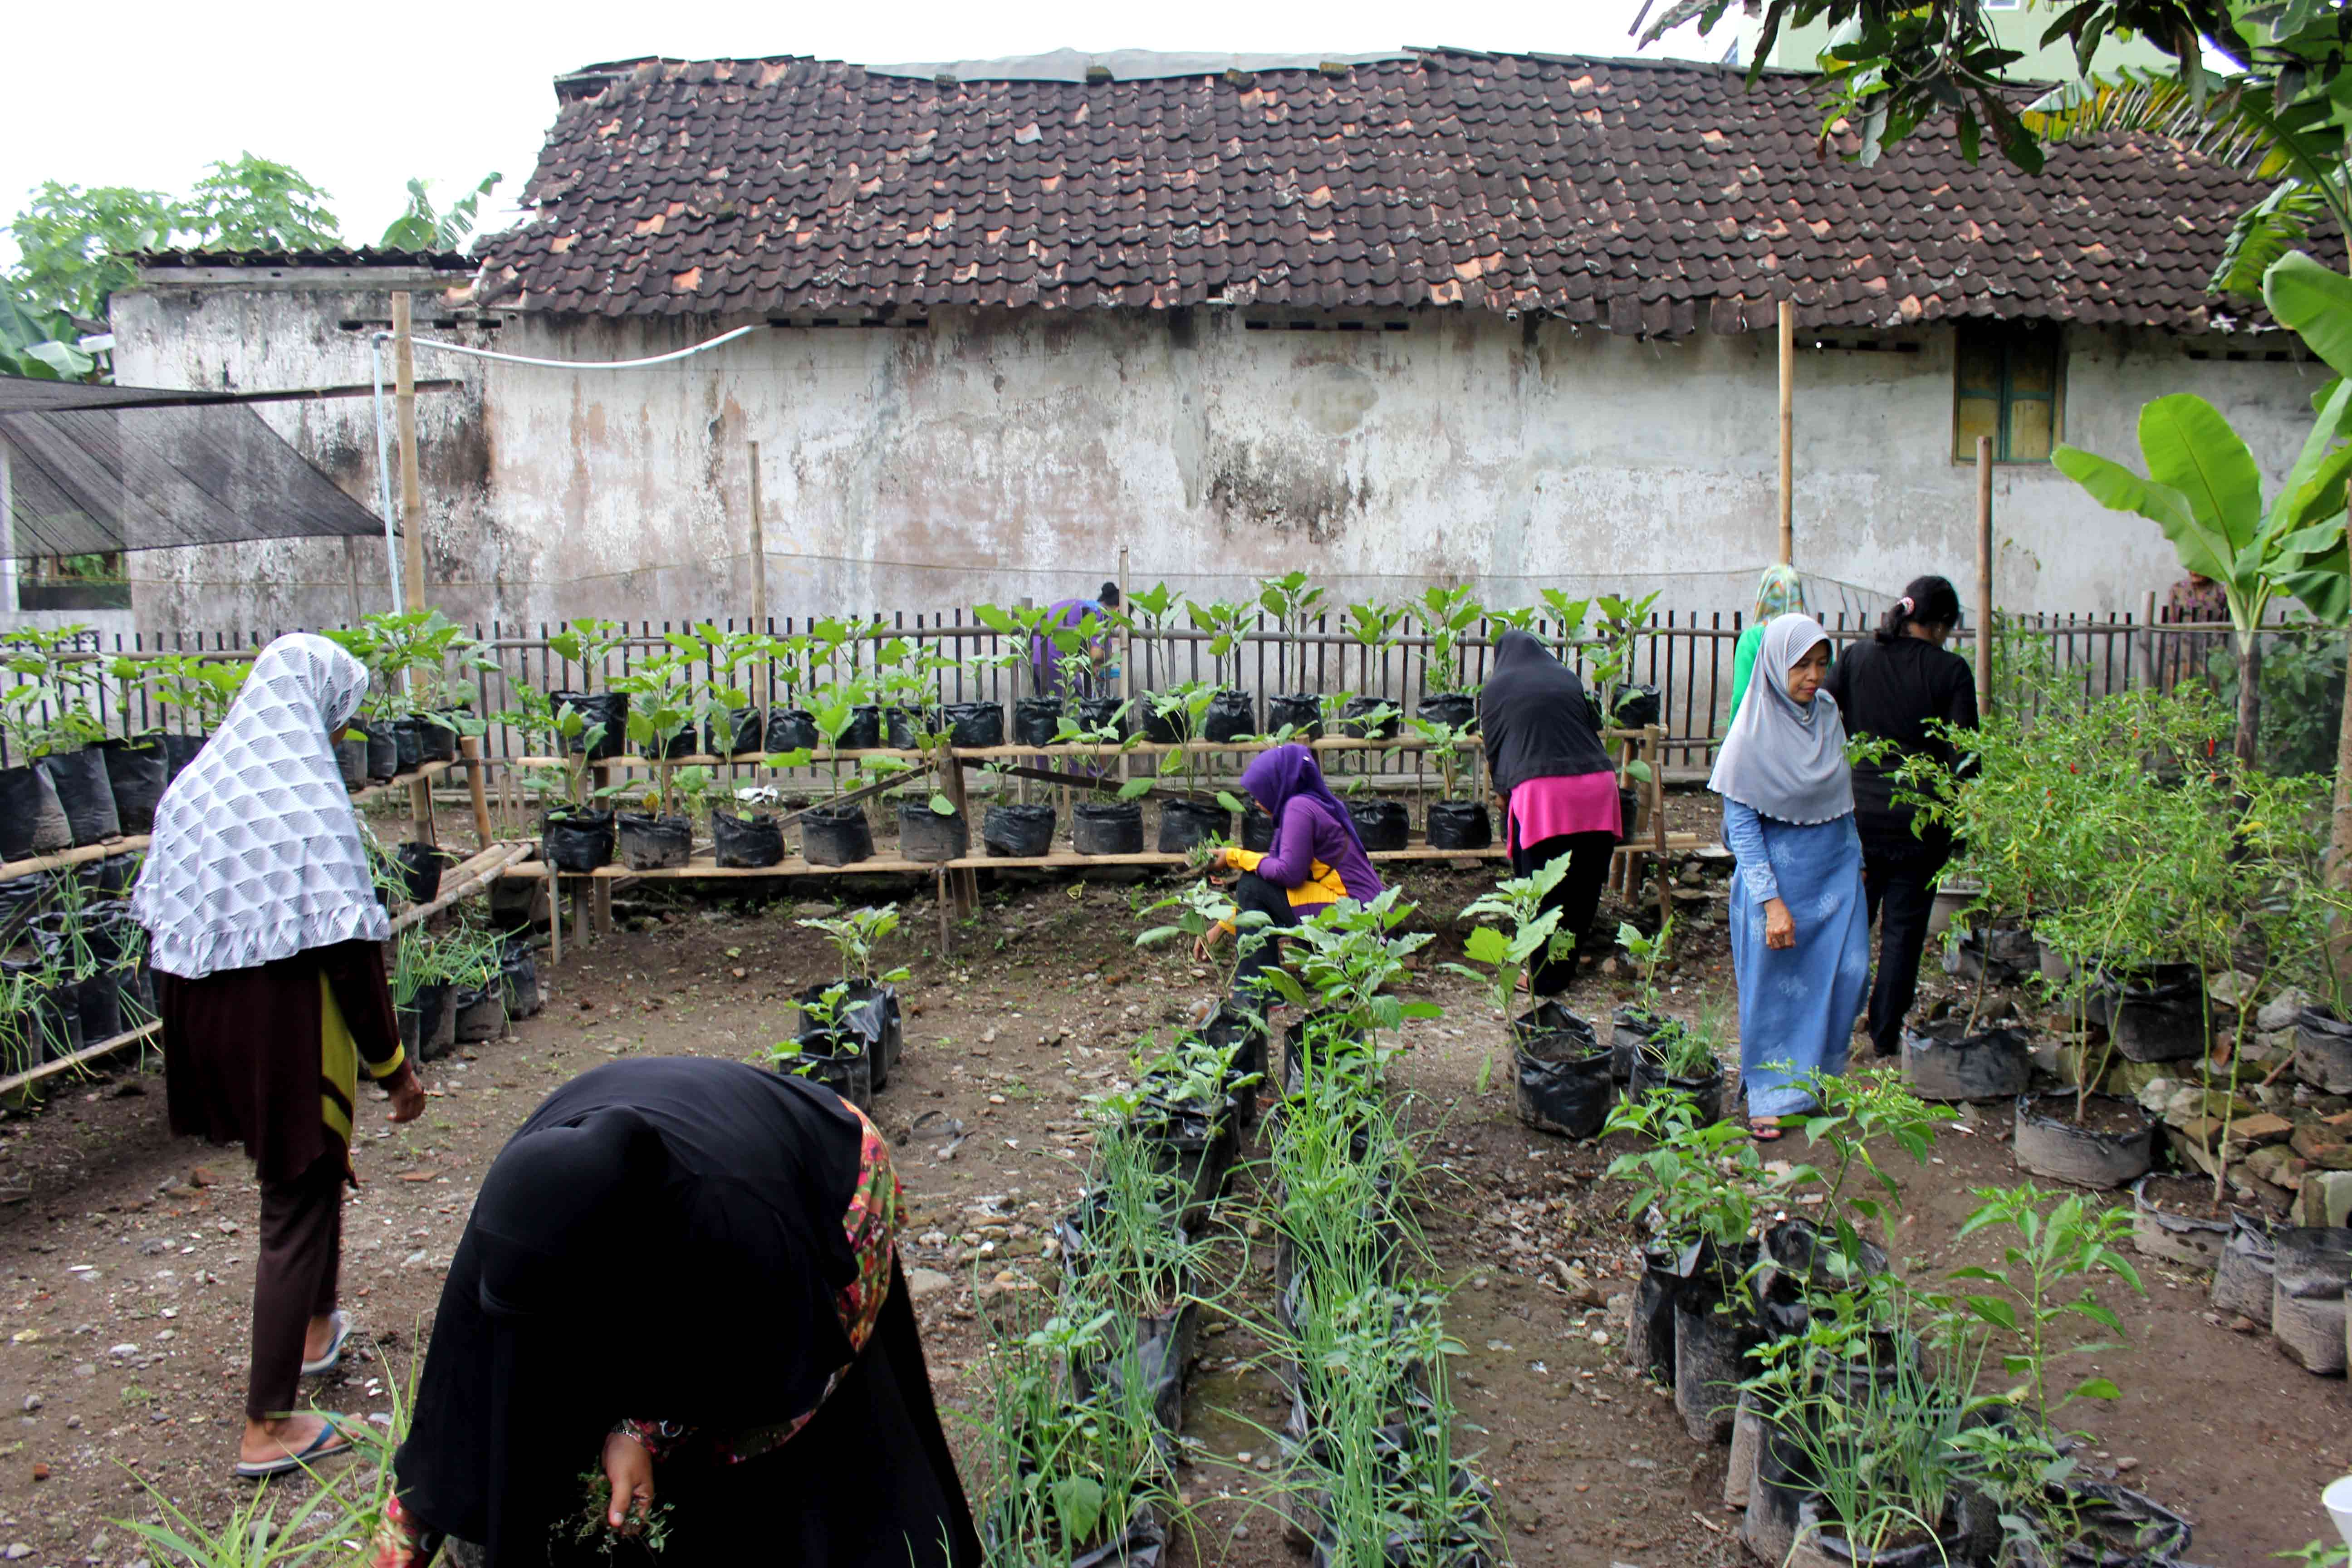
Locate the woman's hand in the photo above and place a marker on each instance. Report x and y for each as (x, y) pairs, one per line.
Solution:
(1205, 942)
(630, 1470)
(1780, 925)
(407, 1094)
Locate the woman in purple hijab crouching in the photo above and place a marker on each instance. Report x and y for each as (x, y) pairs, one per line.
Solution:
(1317, 856)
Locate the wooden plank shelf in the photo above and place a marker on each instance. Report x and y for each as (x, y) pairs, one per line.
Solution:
(1064, 861)
(131, 842)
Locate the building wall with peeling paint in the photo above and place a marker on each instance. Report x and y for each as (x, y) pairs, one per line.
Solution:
(985, 456)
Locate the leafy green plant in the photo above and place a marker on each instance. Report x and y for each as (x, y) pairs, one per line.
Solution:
(52, 707)
(1525, 932)
(646, 1529)
(1294, 603)
(588, 643)
(1700, 1178)
(424, 225)
(1614, 658)
(1351, 955)
(198, 688)
(854, 934)
(2050, 1253)
(1448, 617)
(661, 692)
(565, 733)
(1567, 619)
(1856, 1111)
(1444, 744)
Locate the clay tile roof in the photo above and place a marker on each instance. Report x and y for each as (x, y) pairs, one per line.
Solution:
(1646, 197)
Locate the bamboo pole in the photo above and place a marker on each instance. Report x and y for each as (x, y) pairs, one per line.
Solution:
(469, 747)
(1788, 432)
(1984, 574)
(759, 551)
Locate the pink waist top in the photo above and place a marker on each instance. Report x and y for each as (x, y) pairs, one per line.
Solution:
(1548, 807)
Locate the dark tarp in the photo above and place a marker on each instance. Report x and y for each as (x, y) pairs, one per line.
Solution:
(87, 478)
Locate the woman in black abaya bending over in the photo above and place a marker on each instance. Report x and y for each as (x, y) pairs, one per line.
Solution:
(681, 1280)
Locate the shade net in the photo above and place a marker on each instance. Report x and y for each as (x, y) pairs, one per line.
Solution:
(87, 478)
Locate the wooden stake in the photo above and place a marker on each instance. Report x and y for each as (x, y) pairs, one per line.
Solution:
(411, 488)
(759, 551)
(1984, 576)
(1788, 432)
(470, 748)
(411, 522)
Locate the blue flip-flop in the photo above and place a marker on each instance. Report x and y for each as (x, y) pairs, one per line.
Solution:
(328, 1444)
(326, 1363)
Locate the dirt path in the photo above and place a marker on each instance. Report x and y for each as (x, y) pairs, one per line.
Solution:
(126, 1255)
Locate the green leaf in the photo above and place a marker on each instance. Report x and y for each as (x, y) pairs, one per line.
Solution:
(2316, 301)
(1486, 945)
(1993, 1310)
(2190, 448)
(2095, 1388)
(1135, 789)
(2117, 489)
(1077, 1503)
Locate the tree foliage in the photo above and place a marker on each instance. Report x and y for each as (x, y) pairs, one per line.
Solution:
(422, 226)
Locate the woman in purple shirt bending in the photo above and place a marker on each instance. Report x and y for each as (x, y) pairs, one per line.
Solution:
(1317, 858)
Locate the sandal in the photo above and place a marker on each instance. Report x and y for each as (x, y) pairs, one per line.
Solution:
(1764, 1128)
(330, 1443)
(326, 1363)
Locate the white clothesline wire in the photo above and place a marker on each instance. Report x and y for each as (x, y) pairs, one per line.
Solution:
(575, 363)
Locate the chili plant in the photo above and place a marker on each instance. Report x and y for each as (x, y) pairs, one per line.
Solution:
(854, 934)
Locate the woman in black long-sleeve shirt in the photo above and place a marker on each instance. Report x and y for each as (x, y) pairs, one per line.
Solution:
(1892, 687)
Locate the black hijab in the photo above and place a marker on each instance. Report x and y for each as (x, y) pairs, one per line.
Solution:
(663, 1240)
(1537, 721)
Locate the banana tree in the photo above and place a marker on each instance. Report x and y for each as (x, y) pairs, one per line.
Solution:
(2204, 490)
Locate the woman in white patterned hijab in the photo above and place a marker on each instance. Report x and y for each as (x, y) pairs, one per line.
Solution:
(267, 944)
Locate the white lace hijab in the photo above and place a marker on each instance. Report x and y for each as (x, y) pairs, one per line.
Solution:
(256, 854)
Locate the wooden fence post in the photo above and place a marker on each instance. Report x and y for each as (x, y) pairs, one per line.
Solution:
(1984, 576)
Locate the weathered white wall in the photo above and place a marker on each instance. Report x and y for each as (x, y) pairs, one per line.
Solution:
(991, 455)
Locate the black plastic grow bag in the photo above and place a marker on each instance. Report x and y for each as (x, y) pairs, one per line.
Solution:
(480, 1013)
(1358, 709)
(746, 733)
(574, 840)
(1103, 713)
(869, 1023)
(84, 793)
(438, 738)
(350, 760)
(1166, 729)
(2156, 1016)
(519, 979)
(98, 999)
(865, 730)
(1649, 1077)
(650, 843)
(1380, 824)
(792, 730)
(836, 836)
(1020, 831)
(1036, 721)
(1459, 825)
(1107, 828)
(1232, 714)
(974, 724)
(1563, 1081)
(1457, 709)
(427, 1027)
(903, 725)
(931, 836)
(852, 1077)
(1257, 830)
(32, 820)
(136, 773)
(1185, 823)
(1634, 706)
(747, 842)
(1943, 1062)
(1164, 1344)
(2003, 956)
(2323, 1050)
(408, 744)
(382, 753)
(1300, 711)
(420, 871)
(610, 708)
(1650, 1341)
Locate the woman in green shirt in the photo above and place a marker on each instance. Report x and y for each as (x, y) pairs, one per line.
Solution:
(1780, 593)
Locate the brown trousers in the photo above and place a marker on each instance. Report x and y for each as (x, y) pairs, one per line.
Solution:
(294, 1278)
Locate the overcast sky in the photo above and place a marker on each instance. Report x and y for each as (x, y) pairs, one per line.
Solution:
(359, 105)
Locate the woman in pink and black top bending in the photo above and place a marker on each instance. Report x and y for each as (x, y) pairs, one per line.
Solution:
(1557, 788)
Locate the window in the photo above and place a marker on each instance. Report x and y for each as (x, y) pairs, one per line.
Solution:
(73, 583)
(2006, 385)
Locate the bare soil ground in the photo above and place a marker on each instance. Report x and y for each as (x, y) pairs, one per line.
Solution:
(126, 1255)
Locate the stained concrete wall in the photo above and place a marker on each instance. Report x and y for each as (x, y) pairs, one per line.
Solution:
(989, 456)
